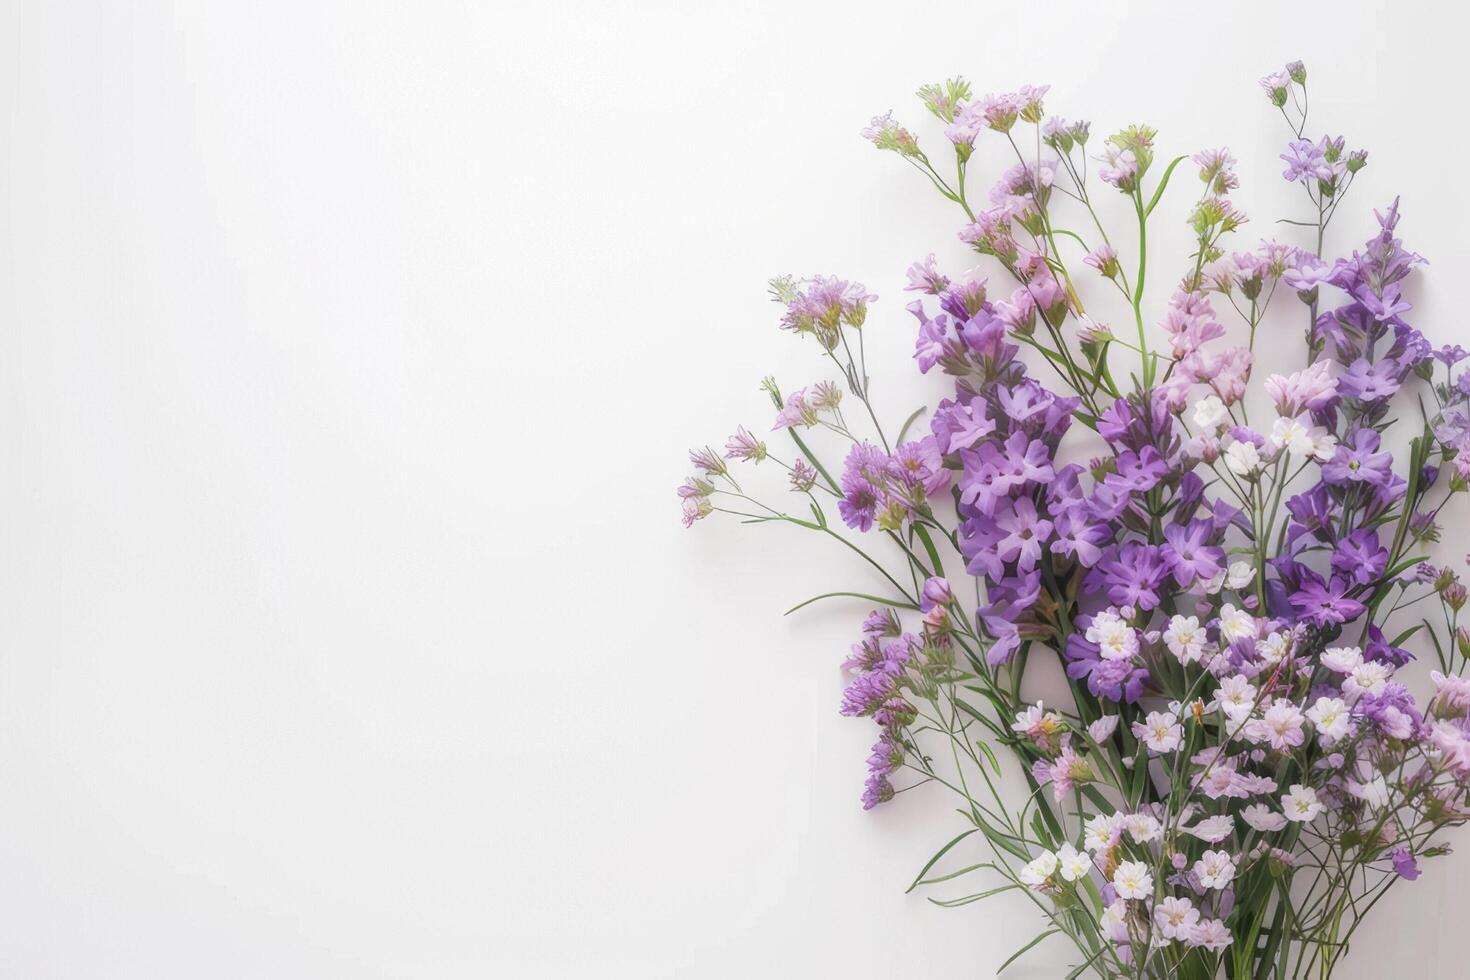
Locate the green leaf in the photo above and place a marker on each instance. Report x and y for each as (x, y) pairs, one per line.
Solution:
(895, 603)
(994, 763)
(935, 563)
(1402, 637)
(956, 874)
(1404, 565)
(1086, 963)
(952, 903)
(935, 859)
(908, 422)
(1163, 182)
(1003, 841)
(1026, 949)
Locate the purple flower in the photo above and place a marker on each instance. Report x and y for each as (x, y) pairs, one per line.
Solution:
(1139, 472)
(1079, 537)
(863, 476)
(824, 302)
(1404, 864)
(743, 445)
(1132, 577)
(1359, 462)
(1187, 554)
(1450, 355)
(1359, 557)
(1116, 680)
(924, 278)
(1371, 382)
(994, 472)
(1025, 534)
(1310, 389)
(920, 464)
(960, 426)
(1324, 603)
(1305, 162)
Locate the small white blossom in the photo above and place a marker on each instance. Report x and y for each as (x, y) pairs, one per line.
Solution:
(1210, 413)
(1262, 818)
(1161, 732)
(1292, 435)
(1366, 678)
(1099, 831)
(1324, 444)
(1273, 648)
(1374, 792)
(1133, 880)
(1176, 917)
(1116, 640)
(1236, 696)
(1236, 624)
(1342, 660)
(1214, 869)
(1073, 864)
(1280, 727)
(1242, 573)
(1213, 829)
(1143, 828)
(1243, 459)
(1331, 718)
(1185, 638)
(1212, 934)
(1300, 804)
(1102, 729)
(1037, 871)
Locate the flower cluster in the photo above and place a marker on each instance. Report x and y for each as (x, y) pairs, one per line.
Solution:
(1224, 586)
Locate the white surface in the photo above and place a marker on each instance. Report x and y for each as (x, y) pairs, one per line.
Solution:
(349, 357)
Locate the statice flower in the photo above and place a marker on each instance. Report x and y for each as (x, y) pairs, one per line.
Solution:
(886, 134)
(1231, 592)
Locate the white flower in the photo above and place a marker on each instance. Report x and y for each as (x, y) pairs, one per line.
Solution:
(1074, 864)
(1176, 917)
(1281, 727)
(1374, 792)
(1342, 660)
(1242, 573)
(1133, 880)
(1210, 413)
(1243, 458)
(1214, 869)
(1116, 640)
(1213, 829)
(1301, 804)
(1142, 827)
(1185, 638)
(1102, 729)
(1253, 784)
(1160, 732)
(1211, 585)
(1097, 833)
(1262, 818)
(1331, 717)
(1292, 435)
(1273, 647)
(1236, 624)
(1236, 696)
(1366, 678)
(1037, 871)
(1114, 922)
(1324, 444)
(1211, 934)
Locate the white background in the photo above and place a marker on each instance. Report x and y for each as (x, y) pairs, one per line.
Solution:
(350, 354)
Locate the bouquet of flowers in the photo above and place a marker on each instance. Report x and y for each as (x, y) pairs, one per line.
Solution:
(1241, 772)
